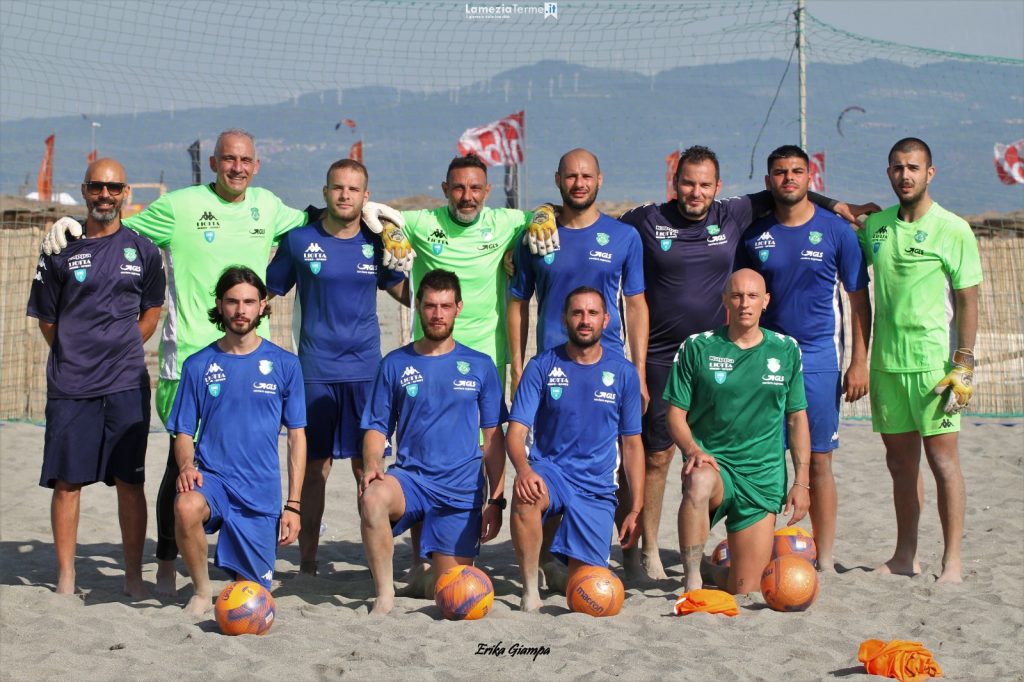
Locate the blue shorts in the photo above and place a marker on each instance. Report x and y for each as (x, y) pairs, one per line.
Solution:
(588, 520)
(247, 545)
(824, 390)
(446, 529)
(96, 439)
(333, 412)
(655, 433)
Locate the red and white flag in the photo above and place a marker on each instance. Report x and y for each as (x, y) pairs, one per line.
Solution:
(497, 144)
(817, 172)
(1010, 162)
(356, 152)
(671, 163)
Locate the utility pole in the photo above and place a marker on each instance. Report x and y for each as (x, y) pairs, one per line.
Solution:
(801, 48)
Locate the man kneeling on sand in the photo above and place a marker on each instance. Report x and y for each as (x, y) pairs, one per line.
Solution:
(233, 397)
(728, 392)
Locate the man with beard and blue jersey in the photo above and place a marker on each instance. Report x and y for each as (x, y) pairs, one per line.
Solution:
(438, 397)
(579, 400)
(336, 265)
(804, 255)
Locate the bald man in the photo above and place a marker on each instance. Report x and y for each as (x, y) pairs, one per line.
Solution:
(727, 393)
(97, 302)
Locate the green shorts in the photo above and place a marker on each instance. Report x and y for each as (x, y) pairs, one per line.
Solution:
(902, 402)
(737, 508)
(165, 392)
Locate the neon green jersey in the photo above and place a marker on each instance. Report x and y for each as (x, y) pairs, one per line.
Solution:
(736, 400)
(474, 253)
(916, 268)
(201, 235)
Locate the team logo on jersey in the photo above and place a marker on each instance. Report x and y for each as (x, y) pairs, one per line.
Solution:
(214, 389)
(720, 376)
(255, 213)
(555, 391)
(607, 378)
(762, 254)
(213, 378)
(557, 382)
(315, 266)
(665, 244)
(462, 366)
(315, 256)
(549, 258)
(412, 390)
(266, 367)
(438, 240)
(603, 238)
(721, 366)
(411, 380)
(880, 235)
(774, 365)
(367, 250)
(437, 249)
(130, 254)
(814, 237)
(209, 235)
(487, 234)
(665, 234)
(773, 378)
(80, 274)
(713, 229)
(920, 236)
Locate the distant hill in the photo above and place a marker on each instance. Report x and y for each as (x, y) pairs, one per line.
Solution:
(631, 121)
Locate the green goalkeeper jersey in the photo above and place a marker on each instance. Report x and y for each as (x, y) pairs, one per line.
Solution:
(917, 266)
(474, 253)
(201, 235)
(736, 401)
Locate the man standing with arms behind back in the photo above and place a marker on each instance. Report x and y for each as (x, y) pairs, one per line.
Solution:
(926, 265)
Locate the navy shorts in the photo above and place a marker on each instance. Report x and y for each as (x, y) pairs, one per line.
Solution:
(333, 412)
(247, 544)
(588, 520)
(655, 433)
(96, 439)
(446, 529)
(824, 390)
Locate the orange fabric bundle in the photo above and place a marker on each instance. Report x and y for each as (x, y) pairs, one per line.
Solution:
(906, 661)
(706, 601)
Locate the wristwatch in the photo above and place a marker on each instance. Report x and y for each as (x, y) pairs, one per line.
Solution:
(500, 501)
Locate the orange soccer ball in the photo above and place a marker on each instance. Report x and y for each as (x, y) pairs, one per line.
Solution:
(464, 593)
(794, 540)
(789, 583)
(595, 591)
(245, 608)
(721, 556)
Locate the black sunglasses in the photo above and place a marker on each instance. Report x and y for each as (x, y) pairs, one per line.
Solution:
(96, 187)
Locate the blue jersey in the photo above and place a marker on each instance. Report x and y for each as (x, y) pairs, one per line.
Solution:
(94, 291)
(237, 404)
(337, 279)
(578, 413)
(803, 267)
(606, 256)
(438, 403)
(686, 265)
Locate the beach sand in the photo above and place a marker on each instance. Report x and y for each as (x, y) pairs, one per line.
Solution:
(322, 629)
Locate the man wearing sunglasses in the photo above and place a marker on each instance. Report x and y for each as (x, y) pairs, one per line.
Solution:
(97, 302)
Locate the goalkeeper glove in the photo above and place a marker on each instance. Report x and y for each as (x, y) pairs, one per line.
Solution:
(388, 223)
(56, 239)
(959, 381)
(542, 232)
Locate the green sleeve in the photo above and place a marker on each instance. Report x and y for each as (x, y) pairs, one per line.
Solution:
(679, 388)
(961, 259)
(287, 218)
(796, 397)
(156, 223)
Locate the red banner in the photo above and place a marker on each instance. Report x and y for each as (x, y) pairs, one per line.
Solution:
(356, 152)
(44, 184)
(1010, 162)
(93, 155)
(817, 172)
(497, 144)
(671, 163)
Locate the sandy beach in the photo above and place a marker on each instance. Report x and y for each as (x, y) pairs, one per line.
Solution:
(323, 631)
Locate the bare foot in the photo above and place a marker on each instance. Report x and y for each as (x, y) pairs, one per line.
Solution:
(135, 588)
(825, 565)
(652, 564)
(382, 605)
(308, 567)
(66, 583)
(898, 567)
(951, 573)
(419, 583)
(556, 576)
(530, 602)
(166, 579)
(199, 605)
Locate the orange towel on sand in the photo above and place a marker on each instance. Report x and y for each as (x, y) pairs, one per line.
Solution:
(706, 601)
(906, 661)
